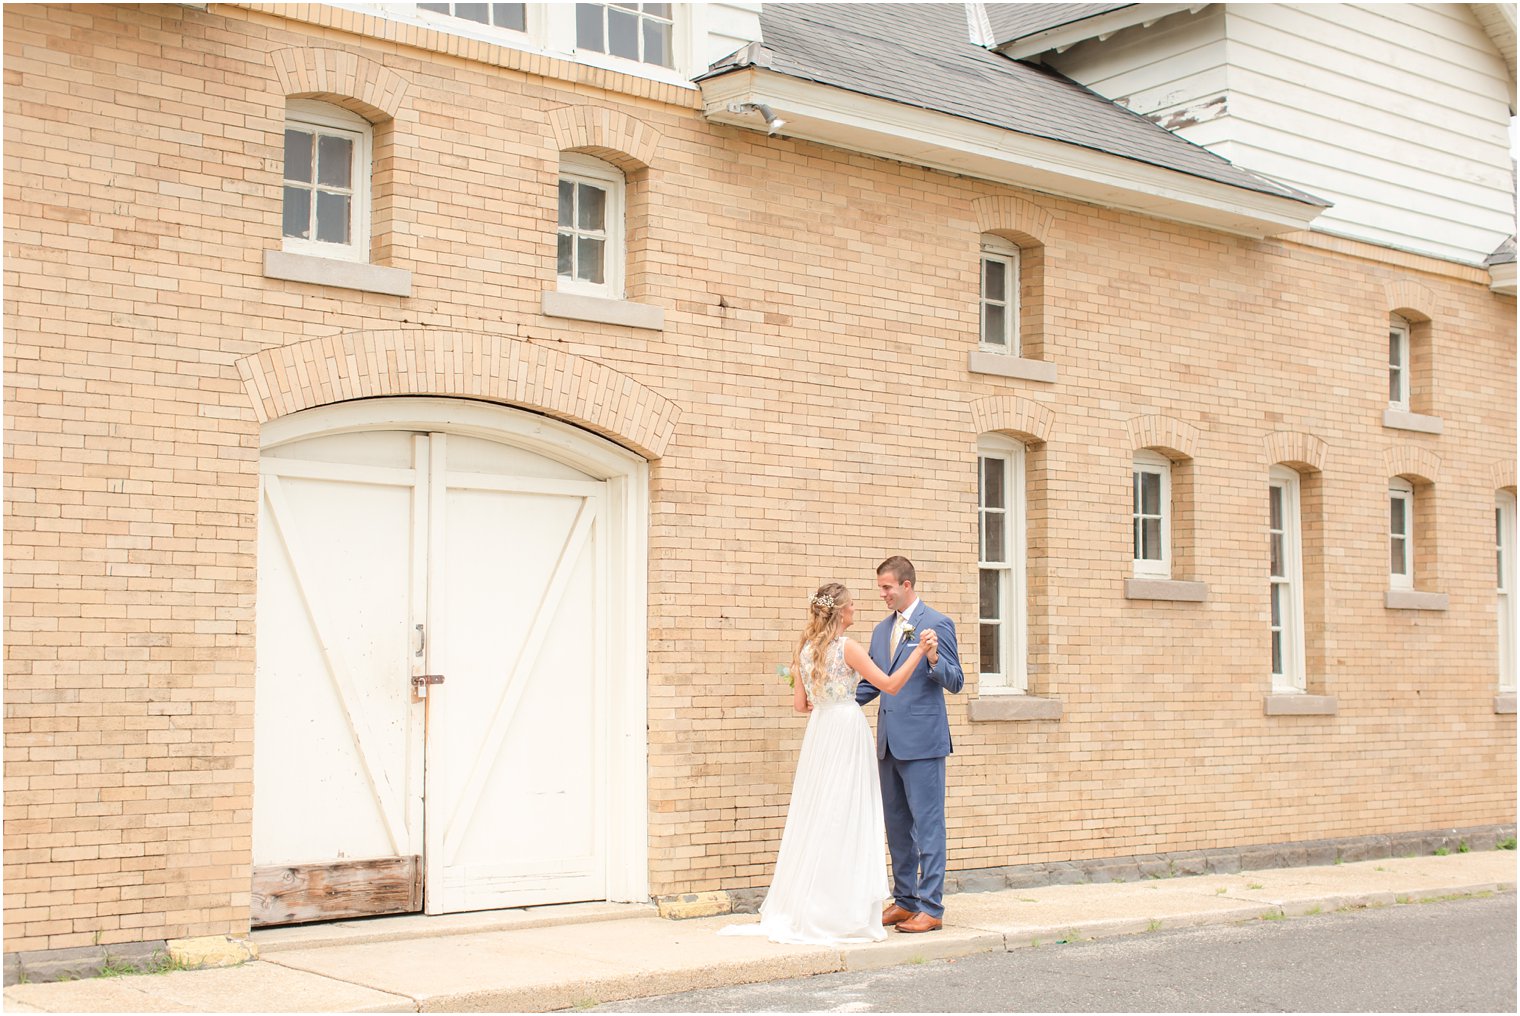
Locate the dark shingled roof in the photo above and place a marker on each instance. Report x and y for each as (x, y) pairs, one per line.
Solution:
(921, 55)
(1504, 254)
(1015, 21)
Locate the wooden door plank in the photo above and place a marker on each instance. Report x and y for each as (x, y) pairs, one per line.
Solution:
(297, 893)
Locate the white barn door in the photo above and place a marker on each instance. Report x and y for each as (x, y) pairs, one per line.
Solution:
(436, 724)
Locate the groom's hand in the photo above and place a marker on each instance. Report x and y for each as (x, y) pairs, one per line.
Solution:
(931, 647)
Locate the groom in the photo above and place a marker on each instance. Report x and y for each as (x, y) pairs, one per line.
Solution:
(912, 740)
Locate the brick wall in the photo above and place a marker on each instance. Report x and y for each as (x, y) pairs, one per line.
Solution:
(819, 308)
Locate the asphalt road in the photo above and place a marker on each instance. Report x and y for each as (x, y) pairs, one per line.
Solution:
(1452, 956)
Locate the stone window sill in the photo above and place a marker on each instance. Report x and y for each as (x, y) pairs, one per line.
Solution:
(1413, 599)
(1166, 589)
(1401, 419)
(1504, 702)
(1297, 704)
(603, 310)
(368, 278)
(979, 361)
(991, 708)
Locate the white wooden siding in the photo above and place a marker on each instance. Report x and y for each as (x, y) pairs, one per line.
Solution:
(726, 29)
(1398, 113)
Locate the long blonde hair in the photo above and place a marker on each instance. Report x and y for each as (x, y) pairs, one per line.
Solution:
(824, 624)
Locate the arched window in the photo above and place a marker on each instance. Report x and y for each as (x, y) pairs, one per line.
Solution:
(1002, 579)
(591, 234)
(327, 181)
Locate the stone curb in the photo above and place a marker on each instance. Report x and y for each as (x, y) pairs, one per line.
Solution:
(958, 941)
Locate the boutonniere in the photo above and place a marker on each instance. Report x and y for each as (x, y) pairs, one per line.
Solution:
(782, 670)
(909, 633)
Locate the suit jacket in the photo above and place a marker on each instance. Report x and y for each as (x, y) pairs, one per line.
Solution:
(913, 723)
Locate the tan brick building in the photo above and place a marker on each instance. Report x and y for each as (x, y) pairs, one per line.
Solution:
(557, 378)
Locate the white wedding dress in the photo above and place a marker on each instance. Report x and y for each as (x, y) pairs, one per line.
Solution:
(831, 873)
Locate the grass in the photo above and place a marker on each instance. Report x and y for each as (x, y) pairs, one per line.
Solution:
(1155, 925)
(1508, 844)
(1441, 851)
(588, 1003)
(1274, 915)
(159, 963)
(1255, 885)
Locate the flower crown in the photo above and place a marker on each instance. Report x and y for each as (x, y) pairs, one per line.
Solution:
(824, 600)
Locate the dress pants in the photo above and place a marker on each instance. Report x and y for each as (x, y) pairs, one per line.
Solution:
(913, 804)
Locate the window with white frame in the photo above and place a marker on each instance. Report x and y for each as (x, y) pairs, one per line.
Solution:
(590, 234)
(1000, 296)
(1400, 534)
(1398, 362)
(643, 33)
(510, 17)
(1001, 576)
(1284, 538)
(1151, 514)
(1504, 554)
(327, 171)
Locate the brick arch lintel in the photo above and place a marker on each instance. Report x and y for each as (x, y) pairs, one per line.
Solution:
(1297, 449)
(1018, 417)
(368, 88)
(1504, 474)
(628, 143)
(1015, 218)
(1414, 462)
(1411, 300)
(460, 364)
(1179, 440)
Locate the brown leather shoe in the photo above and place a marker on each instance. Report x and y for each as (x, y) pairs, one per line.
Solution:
(895, 915)
(919, 923)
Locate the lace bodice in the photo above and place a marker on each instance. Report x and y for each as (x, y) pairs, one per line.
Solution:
(838, 682)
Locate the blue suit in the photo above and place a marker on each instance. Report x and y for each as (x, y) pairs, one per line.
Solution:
(912, 741)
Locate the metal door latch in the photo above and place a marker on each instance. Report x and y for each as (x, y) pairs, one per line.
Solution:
(420, 683)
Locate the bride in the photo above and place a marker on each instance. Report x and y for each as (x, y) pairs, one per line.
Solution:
(830, 876)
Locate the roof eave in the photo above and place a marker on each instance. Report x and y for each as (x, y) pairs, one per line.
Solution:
(874, 126)
(1099, 26)
(1501, 278)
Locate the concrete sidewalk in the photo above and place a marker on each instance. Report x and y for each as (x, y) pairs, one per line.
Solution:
(548, 958)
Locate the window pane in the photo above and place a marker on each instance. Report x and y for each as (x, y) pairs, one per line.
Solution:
(990, 587)
(658, 10)
(592, 211)
(1150, 531)
(992, 662)
(622, 34)
(298, 156)
(994, 326)
(656, 43)
(332, 217)
(1395, 349)
(1277, 556)
(588, 27)
(1396, 522)
(335, 161)
(992, 483)
(1277, 512)
(435, 8)
(588, 260)
(566, 255)
(1396, 549)
(1150, 494)
(1137, 538)
(566, 203)
(1395, 385)
(471, 12)
(1277, 653)
(992, 542)
(994, 284)
(297, 220)
(513, 16)
(1276, 605)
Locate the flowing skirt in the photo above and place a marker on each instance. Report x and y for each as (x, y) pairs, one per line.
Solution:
(831, 875)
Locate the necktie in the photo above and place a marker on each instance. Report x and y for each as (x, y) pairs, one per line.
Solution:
(897, 632)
